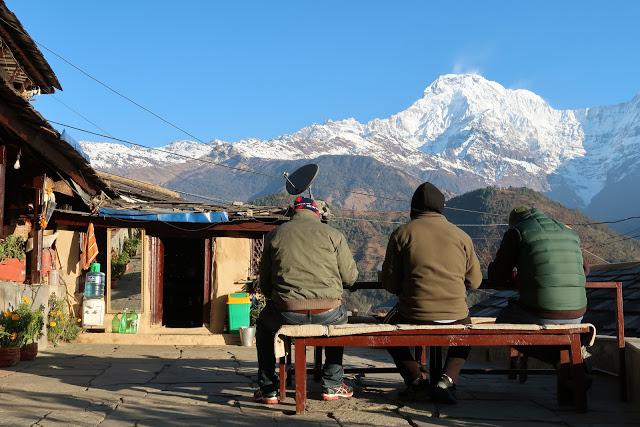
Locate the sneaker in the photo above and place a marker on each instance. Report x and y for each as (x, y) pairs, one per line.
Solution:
(338, 392)
(268, 398)
(444, 391)
(419, 390)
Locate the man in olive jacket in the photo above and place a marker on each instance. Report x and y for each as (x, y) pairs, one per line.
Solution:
(305, 266)
(429, 264)
(549, 273)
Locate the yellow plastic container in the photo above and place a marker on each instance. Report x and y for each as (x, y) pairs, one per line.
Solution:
(239, 304)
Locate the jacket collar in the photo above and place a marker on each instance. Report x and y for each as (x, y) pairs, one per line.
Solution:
(305, 215)
(428, 215)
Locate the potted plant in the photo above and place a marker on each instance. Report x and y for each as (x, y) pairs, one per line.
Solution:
(31, 325)
(12, 259)
(9, 338)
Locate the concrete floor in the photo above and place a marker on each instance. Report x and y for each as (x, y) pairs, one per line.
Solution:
(107, 385)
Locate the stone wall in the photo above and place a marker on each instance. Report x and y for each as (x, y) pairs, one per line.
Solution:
(11, 296)
(633, 370)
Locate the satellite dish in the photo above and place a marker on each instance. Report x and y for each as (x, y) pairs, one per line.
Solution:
(300, 180)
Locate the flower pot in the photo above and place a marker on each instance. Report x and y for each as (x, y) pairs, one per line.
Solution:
(9, 356)
(29, 351)
(13, 270)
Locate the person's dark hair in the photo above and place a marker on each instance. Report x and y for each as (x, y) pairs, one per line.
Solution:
(427, 198)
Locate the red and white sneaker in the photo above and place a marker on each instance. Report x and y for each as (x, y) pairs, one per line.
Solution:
(270, 398)
(339, 392)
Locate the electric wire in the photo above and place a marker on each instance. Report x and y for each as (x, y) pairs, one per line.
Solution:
(103, 84)
(160, 150)
(79, 114)
(168, 122)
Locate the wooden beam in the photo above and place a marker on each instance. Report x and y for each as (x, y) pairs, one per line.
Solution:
(36, 252)
(48, 148)
(3, 170)
(23, 60)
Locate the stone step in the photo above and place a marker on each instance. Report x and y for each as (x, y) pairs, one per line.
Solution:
(163, 338)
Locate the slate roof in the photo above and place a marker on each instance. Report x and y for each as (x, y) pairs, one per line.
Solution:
(600, 302)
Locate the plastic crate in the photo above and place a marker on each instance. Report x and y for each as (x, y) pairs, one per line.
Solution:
(239, 304)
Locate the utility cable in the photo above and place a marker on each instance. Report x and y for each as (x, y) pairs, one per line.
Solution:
(160, 150)
(103, 84)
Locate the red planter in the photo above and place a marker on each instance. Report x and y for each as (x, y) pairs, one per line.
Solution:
(9, 356)
(29, 351)
(13, 270)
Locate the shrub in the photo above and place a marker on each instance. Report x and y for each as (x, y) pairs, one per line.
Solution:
(61, 325)
(119, 264)
(130, 246)
(12, 247)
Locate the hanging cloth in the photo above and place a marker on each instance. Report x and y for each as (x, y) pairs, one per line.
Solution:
(90, 248)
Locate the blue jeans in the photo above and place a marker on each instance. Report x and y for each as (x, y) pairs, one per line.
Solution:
(267, 325)
(514, 313)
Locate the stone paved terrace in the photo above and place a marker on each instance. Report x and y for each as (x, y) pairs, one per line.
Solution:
(108, 385)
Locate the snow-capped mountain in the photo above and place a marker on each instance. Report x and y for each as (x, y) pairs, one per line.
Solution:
(465, 132)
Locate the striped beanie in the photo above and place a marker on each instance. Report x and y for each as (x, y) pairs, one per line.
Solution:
(305, 203)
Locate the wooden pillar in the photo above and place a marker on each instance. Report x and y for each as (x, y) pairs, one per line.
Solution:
(3, 171)
(36, 252)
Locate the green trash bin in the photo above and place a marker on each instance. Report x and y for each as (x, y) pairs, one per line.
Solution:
(239, 304)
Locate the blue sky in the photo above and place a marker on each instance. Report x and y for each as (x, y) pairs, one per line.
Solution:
(238, 69)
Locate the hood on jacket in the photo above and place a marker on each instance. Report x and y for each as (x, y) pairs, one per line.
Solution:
(521, 213)
(427, 198)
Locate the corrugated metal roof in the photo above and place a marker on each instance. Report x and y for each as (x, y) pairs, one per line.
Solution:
(600, 302)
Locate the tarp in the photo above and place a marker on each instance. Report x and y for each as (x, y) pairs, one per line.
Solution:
(142, 215)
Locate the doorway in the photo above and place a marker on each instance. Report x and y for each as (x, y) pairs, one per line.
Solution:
(183, 282)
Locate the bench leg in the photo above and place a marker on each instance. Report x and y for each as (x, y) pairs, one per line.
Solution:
(514, 355)
(563, 394)
(317, 368)
(283, 379)
(524, 364)
(435, 364)
(289, 368)
(577, 374)
(301, 375)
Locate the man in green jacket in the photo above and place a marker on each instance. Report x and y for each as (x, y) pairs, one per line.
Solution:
(542, 259)
(305, 266)
(429, 264)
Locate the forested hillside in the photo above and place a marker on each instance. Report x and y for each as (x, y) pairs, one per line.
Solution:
(368, 231)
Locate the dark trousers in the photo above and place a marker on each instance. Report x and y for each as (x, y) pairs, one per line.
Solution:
(515, 313)
(407, 363)
(267, 325)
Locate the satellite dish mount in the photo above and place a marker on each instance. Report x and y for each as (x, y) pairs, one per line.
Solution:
(300, 180)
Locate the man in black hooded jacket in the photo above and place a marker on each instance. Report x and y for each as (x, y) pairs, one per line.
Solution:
(429, 264)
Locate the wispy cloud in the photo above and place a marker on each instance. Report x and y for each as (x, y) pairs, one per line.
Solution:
(472, 62)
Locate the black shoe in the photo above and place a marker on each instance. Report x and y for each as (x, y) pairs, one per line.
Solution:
(419, 390)
(444, 391)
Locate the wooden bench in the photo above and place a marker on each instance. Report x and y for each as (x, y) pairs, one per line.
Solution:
(518, 362)
(568, 337)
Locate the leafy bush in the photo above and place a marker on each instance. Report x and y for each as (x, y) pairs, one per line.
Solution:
(119, 264)
(12, 247)
(130, 246)
(61, 325)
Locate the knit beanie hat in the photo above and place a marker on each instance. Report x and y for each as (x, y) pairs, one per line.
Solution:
(301, 203)
(517, 214)
(427, 198)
